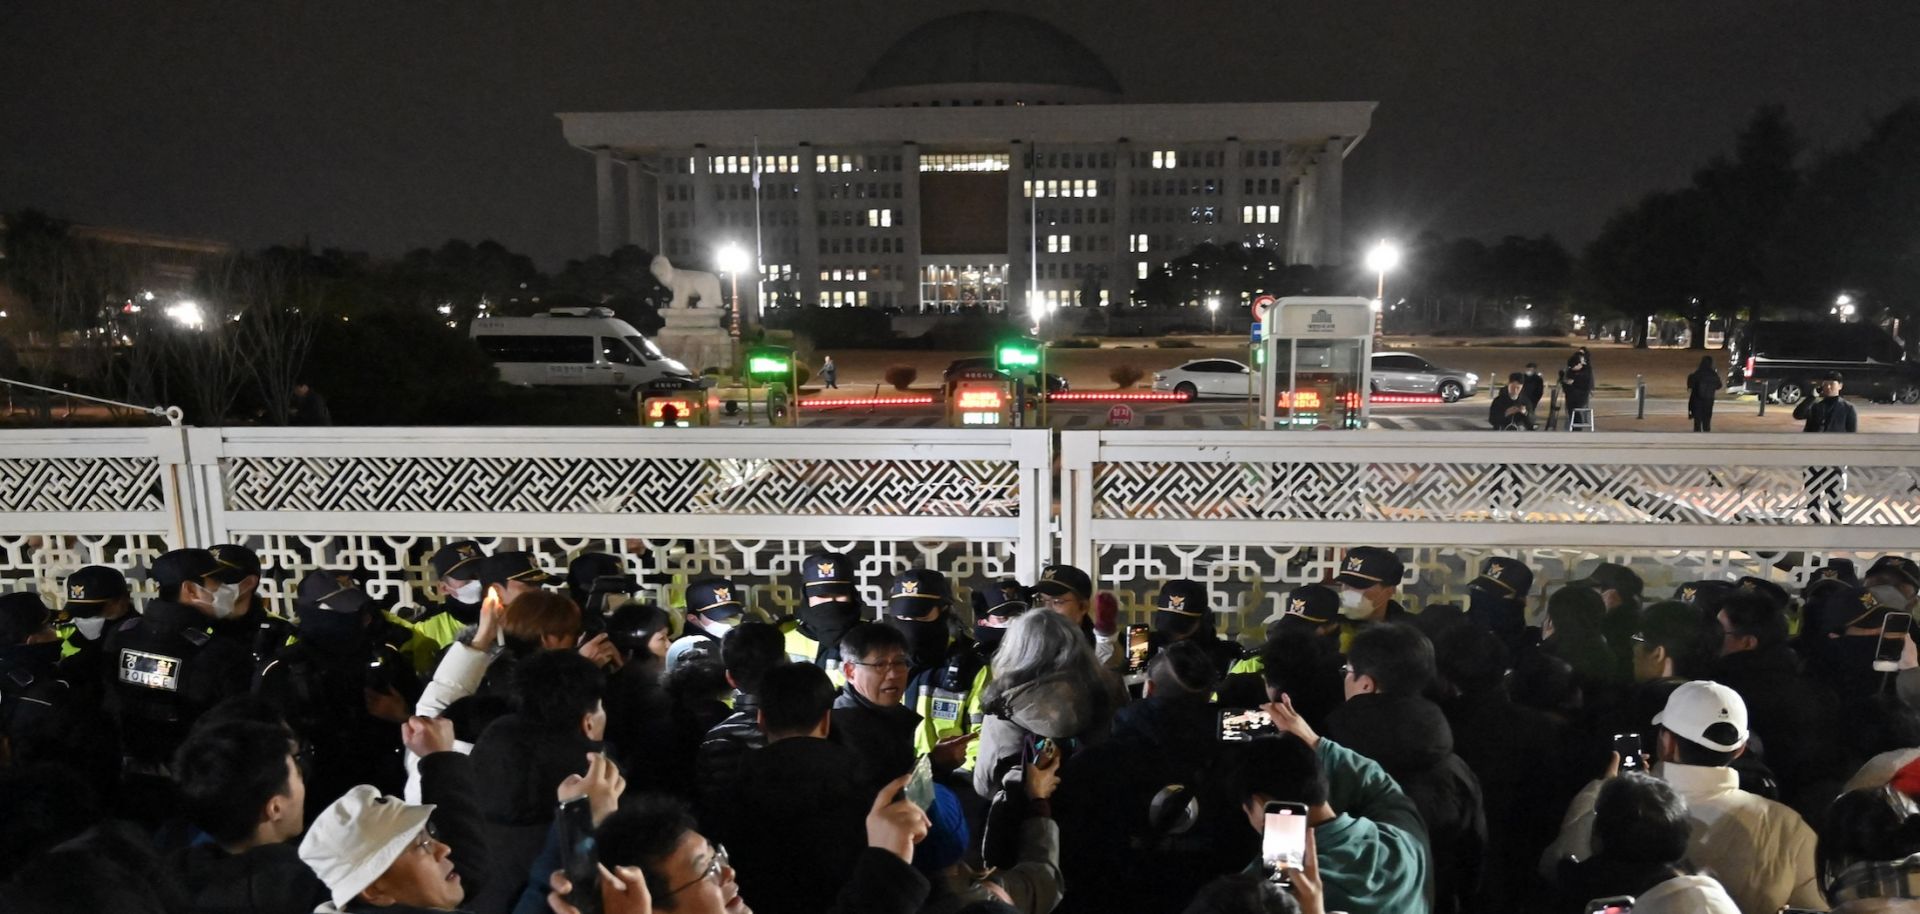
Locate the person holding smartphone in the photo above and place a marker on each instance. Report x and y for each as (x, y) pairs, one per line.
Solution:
(1640, 831)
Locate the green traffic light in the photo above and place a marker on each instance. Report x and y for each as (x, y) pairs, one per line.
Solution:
(1018, 354)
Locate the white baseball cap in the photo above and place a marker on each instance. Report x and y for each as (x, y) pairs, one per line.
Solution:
(358, 837)
(1695, 707)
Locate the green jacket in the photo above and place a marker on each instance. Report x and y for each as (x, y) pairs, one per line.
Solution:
(1373, 854)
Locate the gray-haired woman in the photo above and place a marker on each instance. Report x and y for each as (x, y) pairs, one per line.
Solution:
(1046, 685)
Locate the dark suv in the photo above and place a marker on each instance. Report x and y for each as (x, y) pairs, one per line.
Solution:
(1781, 359)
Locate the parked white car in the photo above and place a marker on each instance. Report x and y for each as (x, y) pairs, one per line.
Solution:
(1205, 378)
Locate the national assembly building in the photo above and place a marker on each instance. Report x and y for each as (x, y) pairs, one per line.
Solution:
(984, 155)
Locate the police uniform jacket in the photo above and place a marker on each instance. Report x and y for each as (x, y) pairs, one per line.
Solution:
(167, 669)
(260, 633)
(946, 695)
(33, 697)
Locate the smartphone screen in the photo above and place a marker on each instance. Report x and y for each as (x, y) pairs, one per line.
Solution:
(1139, 641)
(1617, 905)
(1283, 842)
(1893, 640)
(1239, 726)
(1628, 745)
(579, 855)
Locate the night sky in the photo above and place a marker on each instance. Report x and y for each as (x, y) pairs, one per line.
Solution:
(381, 125)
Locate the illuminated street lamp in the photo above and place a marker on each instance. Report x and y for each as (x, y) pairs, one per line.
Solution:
(187, 314)
(1213, 310)
(732, 260)
(1842, 307)
(1381, 258)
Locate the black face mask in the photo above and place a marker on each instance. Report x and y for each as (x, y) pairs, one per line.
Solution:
(828, 622)
(1174, 626)
(464, 613)
(988, 637)
(1496, 613)
(926, 641)
(36, 656)
(333, 631)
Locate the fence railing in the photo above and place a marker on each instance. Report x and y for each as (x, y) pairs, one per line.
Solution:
(1253, 514)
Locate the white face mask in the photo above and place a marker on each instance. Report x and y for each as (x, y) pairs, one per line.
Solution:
(90, 629)
(716, 629)
(225, 598)
(469, 593)
(1353, 605)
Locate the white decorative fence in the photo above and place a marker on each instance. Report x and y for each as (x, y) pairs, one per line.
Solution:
(681, 502)
(1256, 514)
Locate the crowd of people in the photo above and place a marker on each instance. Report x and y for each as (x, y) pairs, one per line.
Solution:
(528, 742)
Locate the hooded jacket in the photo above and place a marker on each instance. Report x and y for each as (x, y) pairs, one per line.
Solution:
(1056, 707)
(1761, 851)
(1410, 738)
(271, 879)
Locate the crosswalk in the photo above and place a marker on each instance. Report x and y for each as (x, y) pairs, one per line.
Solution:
(1156, 420)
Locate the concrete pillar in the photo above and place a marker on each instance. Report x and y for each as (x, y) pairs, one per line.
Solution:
(609, 213)
(1121, 273)
(1333, 242)
(703, 236)
(1018, 207)
(806, 260)
(907, 294)
(643, 204)
(1233, 193)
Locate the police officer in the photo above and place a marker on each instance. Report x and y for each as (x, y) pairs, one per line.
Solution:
(600, 584)
(714, 607)
(342, 689)
(1069, 591)
(1497, 602)
(456, 576)
(1183, 612)
(97, 602)
(1368, 580)
(831, 606)
(945, 672)
(251, 626)
(994, 608)
(32, 692)
(167, 666)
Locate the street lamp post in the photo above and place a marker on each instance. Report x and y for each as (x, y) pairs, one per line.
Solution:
(1382, 257)
(1213, 309)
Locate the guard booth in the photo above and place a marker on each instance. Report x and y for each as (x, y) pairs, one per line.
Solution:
(981, 398)
(1315, 359)
(682, 398)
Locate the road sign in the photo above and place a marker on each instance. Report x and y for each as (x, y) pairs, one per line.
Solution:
(1256, 331)
(768, 363)
(1021, 353)
(1121, 414)
(1261, 304)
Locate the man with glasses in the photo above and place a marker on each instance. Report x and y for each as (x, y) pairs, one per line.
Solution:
(868, 715)
(379, 853)
(660, 861)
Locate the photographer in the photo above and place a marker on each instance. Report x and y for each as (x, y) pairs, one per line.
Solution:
(1510, 411)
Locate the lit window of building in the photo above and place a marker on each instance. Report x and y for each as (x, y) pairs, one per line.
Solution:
(998, 161)
(1059, 244)
(1137, 244)
(1166, 159)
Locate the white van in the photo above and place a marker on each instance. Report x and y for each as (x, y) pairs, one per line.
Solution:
(573, 347)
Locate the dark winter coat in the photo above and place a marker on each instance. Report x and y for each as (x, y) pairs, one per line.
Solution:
(1410, 738)
(1792, 714)
(263, 880)
(795, 823)
(882, 735)
(1524, 760)
(519, 766)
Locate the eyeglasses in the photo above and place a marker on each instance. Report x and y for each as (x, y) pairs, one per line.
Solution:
(1346, 669)
(712, 872)
(428, 838)
(886, 666)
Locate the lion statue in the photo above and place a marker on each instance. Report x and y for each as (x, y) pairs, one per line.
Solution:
(687, 286)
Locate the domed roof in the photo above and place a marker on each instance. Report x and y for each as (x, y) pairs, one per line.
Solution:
(989, 47)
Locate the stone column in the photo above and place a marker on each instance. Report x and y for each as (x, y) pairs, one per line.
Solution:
(702, 236)
(609, 213)
(1233, 195)
(806, 260)
(908, 295)
(1333, 242)
(1019, 271)
(643, 204)
(1121, 273)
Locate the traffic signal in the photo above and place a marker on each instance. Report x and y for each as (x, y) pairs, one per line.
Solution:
(1021, 355)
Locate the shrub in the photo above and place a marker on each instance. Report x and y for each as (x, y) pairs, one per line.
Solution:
(901, 376)
(801, 375)
(1125, 376)
(1175, 344)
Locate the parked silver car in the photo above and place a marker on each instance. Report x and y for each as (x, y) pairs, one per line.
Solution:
(1406, 373)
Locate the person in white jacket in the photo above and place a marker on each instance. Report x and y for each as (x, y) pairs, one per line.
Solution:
(1761, 851)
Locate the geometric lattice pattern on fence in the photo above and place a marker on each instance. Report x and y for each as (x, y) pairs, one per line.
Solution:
(769, 569)
(67, 484)
(1248, 584)
(41, 561)
(1522, 492)
(946, 488)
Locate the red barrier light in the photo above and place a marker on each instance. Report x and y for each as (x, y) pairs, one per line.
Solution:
(832, 402)
(1117, 396)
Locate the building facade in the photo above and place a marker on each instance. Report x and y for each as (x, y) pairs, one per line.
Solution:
(987, 161)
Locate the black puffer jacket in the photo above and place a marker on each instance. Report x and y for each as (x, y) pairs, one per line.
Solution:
(716, 767)
(795, 822)
(1410, 738)
(519, 766)
(264, 880)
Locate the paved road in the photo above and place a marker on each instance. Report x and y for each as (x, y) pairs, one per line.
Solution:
(1610, 415)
